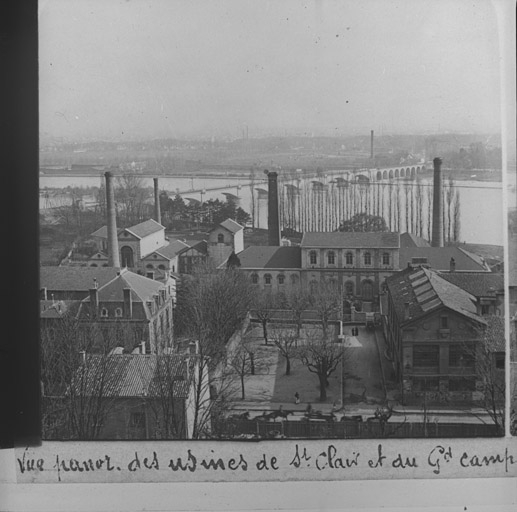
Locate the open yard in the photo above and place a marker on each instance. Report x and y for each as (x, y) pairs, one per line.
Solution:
(270, 387)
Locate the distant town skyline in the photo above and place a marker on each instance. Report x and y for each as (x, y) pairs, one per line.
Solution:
(122, 70)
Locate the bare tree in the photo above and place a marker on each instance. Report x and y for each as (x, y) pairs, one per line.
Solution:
(449, 197)
(322, 357)
(297, 302)
(286, 341)
(241, 362)
(131, 197)
(264, 303)
(326, 301)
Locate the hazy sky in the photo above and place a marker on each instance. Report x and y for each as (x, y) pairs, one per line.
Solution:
(171, 68)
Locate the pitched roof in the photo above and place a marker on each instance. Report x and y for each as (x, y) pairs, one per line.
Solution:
(264, 256)
(139, 230)
(132, 375)
(439, 258)
(142, 288)
(231, 225)
(410, 240)
(353, 240)
(479, 284)
(425, 291)
(171, 250)
(145, 228)
(75, 278)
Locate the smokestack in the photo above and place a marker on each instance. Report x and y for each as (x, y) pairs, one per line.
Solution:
(371, 144)
(437, 238)
(273, 218)
(157, 212)
(113, 256)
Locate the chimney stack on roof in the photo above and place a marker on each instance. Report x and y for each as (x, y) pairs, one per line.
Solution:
(128, 303)
(157, 212)
(113, 256)
(94, 302)
(273, 218)
(437, 238)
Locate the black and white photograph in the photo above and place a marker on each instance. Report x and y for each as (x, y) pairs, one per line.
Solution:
(271, 220)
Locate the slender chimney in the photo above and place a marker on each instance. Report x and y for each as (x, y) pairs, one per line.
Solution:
(437, 238)
(371, 144)
(273, 218)
(157, 212)
(113, 256)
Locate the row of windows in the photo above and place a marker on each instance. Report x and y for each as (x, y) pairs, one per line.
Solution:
(349, 258)
(268, 279)
(428, 356)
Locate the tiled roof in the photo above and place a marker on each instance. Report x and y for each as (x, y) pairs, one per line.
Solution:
(231, 225)
(353, 240)
(142, 288)
(132, 375)
(479, 284)
(75, 278)
(171, 250)
(439, 258)
(145, 228)
(101, 232)
(264, 256)
(425, 290)
(410, 240)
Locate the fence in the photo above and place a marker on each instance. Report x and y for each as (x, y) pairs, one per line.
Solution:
(352, 429)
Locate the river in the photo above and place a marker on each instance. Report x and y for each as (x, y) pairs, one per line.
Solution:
(311, 206)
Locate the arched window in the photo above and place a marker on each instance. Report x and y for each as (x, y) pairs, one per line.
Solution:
(267, 279)
(104, 313)
(220, 238)
(118, 312)
(161, 267)
(367, 258)
(349, 288)
(126, 254)
(367, 290)
(93, 265)
(313, 257)
(349, 258)
(385, 258)
(331, 258)
(254, 278)
(281, 279)
(104, 265)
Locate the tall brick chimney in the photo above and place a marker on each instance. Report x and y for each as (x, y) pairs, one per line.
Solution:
(437, 235)
(371, 144)
(113, 255)
(273, 218)
(157, 212)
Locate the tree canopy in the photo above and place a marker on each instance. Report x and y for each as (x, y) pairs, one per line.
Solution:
(363, 222)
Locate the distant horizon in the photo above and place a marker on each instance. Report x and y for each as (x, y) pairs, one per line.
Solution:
(174, 69)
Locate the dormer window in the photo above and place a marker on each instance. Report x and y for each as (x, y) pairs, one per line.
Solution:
(104, 313)
(367, 258)
(118, 312)
(349, 258)
(313, 257)
(331, 258)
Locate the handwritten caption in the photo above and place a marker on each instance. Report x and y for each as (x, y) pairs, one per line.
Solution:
(297, 458)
